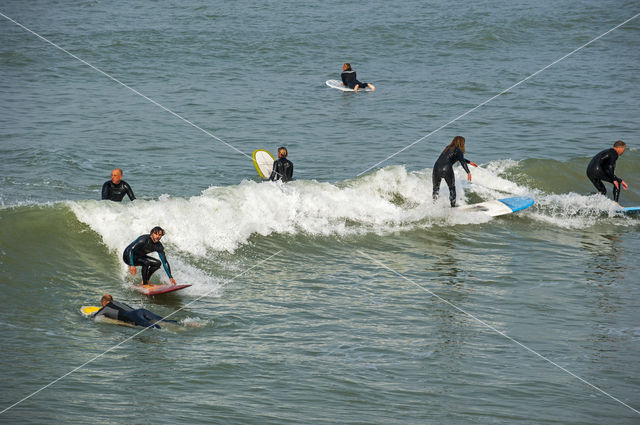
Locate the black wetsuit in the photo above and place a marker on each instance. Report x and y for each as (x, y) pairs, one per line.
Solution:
(136, 255)
(602, 167)
(121, 311)
(349, 79)
(115, 192)
(443, 168)
(282, 169)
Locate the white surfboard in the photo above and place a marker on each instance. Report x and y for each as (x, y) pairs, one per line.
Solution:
(263, 162)
(499, 206)
(336, 84)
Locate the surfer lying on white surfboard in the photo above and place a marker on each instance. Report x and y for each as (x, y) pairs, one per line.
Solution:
(349, 79)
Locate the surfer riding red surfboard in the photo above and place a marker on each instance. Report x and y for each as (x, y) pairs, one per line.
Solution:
(136, 255)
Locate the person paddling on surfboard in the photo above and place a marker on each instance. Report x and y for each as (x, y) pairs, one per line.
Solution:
(116, 188)
(603, 166)
(282, 167)
(125, 313)
(136, 255)
(349, 79)
(443, 168)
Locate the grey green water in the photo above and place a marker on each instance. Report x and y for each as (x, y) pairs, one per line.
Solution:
(344, 322)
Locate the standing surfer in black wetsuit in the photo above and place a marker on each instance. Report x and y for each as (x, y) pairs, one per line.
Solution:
(116, 188)
(443, 168)
(603, 166)
(136, 255)
(282, 167)
(125, 313)
(349, 79)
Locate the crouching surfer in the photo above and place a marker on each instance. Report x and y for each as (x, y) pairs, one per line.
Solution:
(120, 311)
(602, 167)
(136, 255)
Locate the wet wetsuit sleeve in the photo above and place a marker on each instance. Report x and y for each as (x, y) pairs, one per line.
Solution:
(290, 171)
(460, 157)
(165, 263)
(610, 158)
(137, 244)
(129, 191)
(105, 190)
(344, 80)
(274, 173)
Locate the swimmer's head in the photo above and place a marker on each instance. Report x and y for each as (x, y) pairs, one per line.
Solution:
(282, 152)
(116, 175)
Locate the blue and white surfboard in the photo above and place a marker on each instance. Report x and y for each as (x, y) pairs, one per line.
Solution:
(499, 206)
(631, 210)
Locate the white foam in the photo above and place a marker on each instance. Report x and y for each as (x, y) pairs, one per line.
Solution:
(388, 200)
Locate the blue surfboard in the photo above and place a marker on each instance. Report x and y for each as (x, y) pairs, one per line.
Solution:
(499, 206)
(631, 210)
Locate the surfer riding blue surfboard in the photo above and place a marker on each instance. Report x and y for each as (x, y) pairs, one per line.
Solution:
(349, 81)
(136, 255)
(602, 167)
(443, 168)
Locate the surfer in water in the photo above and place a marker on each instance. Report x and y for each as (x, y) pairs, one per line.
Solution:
(136, 255)
(282, 167)
(125, 313)
(443, 168)
(349, 79)
(603, 166)
(116, 188)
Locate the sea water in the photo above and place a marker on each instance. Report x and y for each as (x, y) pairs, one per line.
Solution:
(347, 295)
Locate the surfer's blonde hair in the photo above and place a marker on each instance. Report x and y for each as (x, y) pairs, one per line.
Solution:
(282, 151)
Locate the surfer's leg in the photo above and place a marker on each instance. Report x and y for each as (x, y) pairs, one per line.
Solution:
(149, 266)
(139, 317)
(449, 177)
(435, 180)
(616, 191)
(599, 185)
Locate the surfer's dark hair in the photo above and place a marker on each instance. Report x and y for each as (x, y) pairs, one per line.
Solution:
(619, 144)
(157, 229)
(457, 142)
(346, 66)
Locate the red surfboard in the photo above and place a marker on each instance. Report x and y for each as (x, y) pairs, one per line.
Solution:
(158, 289)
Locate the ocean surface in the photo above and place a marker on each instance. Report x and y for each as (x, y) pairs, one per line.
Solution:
(346, 296)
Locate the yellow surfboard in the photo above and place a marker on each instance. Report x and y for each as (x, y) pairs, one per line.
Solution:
(88, 310)
(263, 162)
